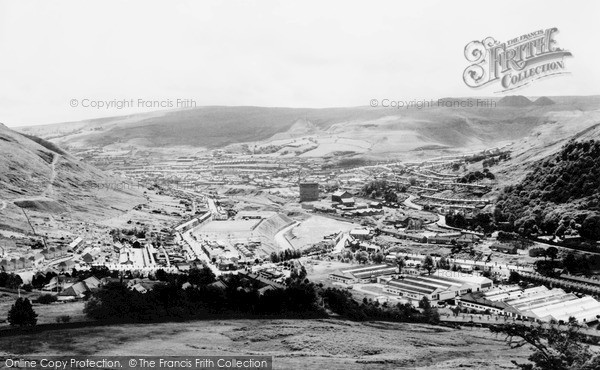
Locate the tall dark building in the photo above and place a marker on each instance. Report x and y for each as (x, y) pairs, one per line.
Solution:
(309, 191)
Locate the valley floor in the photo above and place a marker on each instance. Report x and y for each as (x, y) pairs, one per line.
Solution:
(294, 344)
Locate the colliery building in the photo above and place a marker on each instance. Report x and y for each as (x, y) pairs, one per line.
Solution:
(309, 191)
(363, 274)
(537, 303)
(438, 286)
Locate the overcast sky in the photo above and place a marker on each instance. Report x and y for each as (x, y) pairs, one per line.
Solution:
(267, 53)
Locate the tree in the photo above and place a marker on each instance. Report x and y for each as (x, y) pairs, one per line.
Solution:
(390, 196)
(161, 275)
(570, 262)
(552, 252)
(553, 349)
(13, 281)
(514, 277)
(428, 264)
(424, 303)
(590, 228)
(203, 276)
(377, 257)
(362, 257)
(401, 263)
(22, 314)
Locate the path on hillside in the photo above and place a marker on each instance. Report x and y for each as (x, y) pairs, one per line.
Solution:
(49, 191)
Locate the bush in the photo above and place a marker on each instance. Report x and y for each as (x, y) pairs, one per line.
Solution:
(63, 319)
(46, 299)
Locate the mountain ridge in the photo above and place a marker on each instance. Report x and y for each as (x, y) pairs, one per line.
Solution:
(216, 127)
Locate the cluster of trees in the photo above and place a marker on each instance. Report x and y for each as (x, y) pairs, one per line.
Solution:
(481, 222)
(10, 281)
(169, 301)
(381, 189)
(553, 349)
(574, 263)
(285, 255)
(487, 156)
(560, 196)
(476, 176)
(120, 234)
(550, 252)
(240, 298)
(495, 160)
(342, 303)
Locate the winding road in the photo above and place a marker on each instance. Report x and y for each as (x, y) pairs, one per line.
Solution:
(409, 203)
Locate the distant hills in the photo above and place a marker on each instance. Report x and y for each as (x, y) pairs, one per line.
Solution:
(373, 131)
(543, 101)
(514, 101)
(522, 101)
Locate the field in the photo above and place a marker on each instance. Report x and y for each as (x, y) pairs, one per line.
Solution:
(294, 344)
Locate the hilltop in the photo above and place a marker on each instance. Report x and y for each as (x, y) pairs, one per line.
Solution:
(514, 101)
(543, 101)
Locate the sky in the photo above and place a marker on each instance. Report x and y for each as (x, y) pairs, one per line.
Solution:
(60, 59)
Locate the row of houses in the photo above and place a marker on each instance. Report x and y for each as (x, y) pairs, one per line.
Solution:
(465, 240)
(34, 258)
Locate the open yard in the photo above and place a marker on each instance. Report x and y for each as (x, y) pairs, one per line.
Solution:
(313, 230)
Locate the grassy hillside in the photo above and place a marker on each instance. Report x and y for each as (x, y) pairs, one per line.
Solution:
(40, 177)
(561, 194)
(294, 344)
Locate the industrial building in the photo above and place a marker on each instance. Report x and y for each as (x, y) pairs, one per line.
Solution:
(537, 303)
(436, 287)
(340, 195)
(309, 191)
(363, 274)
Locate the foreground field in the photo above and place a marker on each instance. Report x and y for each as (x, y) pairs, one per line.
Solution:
(294, 344)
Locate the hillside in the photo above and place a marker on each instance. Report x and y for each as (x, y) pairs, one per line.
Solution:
(43, 179)
(560, 194)
(360, 130)
(294, 344)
